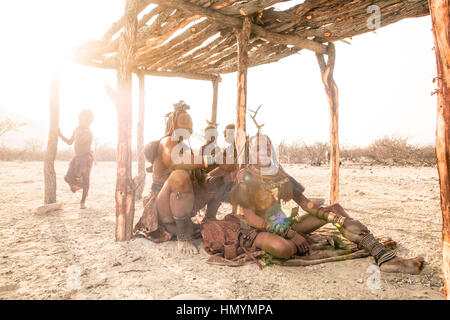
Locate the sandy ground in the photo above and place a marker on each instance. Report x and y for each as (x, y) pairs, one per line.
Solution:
(71, 253)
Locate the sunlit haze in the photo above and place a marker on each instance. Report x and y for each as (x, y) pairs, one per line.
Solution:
(384, 80)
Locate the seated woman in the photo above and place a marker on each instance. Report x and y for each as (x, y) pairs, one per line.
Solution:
(258, 192)
(179, 186)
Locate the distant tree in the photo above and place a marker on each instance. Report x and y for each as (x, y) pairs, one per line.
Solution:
(9, 125)
(317, 153)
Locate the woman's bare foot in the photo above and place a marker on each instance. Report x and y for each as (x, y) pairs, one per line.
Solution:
(82, 205)
(400, 265)
(187, 247)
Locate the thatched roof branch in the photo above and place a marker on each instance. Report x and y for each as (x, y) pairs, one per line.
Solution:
(235, 22)
(169, 37)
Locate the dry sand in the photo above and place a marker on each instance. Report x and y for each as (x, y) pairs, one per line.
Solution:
(71, 253)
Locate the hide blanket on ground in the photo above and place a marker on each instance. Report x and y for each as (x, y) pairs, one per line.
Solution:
(326, 245)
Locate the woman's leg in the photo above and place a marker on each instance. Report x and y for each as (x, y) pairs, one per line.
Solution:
(275, 245)
(175, 203)
(86, 185)
(309, 223)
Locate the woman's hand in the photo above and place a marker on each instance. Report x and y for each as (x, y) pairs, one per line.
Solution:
(336, 209)
(278, 224)
(301, 244)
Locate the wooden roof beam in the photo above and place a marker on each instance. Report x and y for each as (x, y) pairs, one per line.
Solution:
(247, 7)
(185, 75)
(108, 45)
(256, 59)
(192, 35)
(176, 22)
(237, 23)
(332, 20)
(180, 49)
(199, 53)
(152, 30)
(223, 57)
(119, 24)
(220, 51)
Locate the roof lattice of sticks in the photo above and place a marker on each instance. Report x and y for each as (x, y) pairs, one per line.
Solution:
(197, 36)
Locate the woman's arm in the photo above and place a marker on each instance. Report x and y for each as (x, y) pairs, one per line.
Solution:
(307, 205)
(168, 151)
(252, 218)
(333, 213)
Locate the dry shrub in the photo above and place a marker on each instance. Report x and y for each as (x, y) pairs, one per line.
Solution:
(7, 154)
(65, 154)
(392, 151)
(299, 152)
(317, 153)
(351, 154)
(426, 156)
(397, 151)
(291, 153)
(103, 152)
(33, 151)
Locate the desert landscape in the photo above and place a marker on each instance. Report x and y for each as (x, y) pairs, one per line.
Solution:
(72, 253)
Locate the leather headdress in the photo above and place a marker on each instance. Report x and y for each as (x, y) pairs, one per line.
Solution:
(179, 108)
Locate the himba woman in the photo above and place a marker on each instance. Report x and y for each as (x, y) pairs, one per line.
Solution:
(258, 191)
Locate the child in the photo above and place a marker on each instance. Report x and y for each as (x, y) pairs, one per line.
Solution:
(80, 167)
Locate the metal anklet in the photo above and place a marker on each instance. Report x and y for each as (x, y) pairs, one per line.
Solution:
(380, 253)
(335, 219)
(185, 228)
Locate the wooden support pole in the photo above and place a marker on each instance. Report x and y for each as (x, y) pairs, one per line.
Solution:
(215, 85)
(326, 69)
(243, 37)
(140, 179)
(123, 98)
(52, 145)
(439, 10)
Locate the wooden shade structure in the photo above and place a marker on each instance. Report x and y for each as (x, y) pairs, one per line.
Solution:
(174, 38)
(52, 144)
(201, 39)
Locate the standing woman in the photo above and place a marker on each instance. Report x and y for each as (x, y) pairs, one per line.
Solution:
(80, 166)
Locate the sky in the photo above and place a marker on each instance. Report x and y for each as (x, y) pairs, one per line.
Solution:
(384, 80)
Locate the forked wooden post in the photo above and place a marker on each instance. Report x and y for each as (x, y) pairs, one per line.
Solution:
(242, 43)
(123, 98)
(140, 179)
(52, 145)
(326, 69)
(440, 19)
(215, 84)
